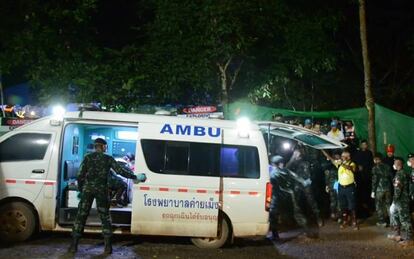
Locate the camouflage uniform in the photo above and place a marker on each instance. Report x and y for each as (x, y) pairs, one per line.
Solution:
(303, 170)
(399, 210)
(382, 188)
(93, 184)
(331, 176)
(273, 213)
(287, 182)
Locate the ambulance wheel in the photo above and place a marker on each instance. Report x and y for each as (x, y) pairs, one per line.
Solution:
(17, 222)
(215, 242)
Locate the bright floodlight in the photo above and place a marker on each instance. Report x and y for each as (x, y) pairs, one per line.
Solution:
(243, 123)
(286, 145)
(58, 111)
(243, 126)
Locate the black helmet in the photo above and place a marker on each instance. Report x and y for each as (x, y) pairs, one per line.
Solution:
(100, 141)
(276, 159)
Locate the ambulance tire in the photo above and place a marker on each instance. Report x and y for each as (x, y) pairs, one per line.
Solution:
(214, 243)
(17, 222)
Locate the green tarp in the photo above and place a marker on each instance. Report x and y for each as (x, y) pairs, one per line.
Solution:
(391, 127)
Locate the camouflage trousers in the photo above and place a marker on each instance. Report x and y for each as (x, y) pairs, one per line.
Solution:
(382, 204)
(400, 220)
(333, 202)
(298, 214)
(85, 204)
(310, 199)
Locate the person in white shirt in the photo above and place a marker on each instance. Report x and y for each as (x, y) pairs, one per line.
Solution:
(336, 133)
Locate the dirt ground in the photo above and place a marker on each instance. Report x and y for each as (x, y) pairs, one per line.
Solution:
(369, 242)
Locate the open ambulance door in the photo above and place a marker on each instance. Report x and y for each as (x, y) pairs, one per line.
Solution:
(299, 134)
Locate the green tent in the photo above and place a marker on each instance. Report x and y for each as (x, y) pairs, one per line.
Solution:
(391, 127)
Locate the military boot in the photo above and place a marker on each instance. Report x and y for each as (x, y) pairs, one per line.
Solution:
(395, 235)
(108, 245)
(73, 248)
(354, 220)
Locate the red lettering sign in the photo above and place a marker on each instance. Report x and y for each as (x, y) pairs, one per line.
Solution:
(200, 109)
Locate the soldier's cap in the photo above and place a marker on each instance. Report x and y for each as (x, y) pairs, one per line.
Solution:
(276, 159)
(100, 141)
(399, 158)
(411, 155)
(378, 155)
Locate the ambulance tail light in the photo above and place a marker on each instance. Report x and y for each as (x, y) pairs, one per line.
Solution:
(268, 196)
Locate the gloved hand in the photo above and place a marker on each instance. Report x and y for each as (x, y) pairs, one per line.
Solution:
(307, 182)
(140, 178)
(373, 195)
(79, 195)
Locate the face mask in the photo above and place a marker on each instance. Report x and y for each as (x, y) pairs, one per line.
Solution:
(395, 168)
(409, 163)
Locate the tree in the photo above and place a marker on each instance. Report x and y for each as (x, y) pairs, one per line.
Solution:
(369, 98)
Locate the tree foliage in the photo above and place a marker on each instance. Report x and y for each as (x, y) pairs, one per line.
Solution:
(286, 53)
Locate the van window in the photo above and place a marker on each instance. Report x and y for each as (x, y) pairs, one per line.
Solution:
(176, 158)
(24, 146)
(240, 162)
(201, 159)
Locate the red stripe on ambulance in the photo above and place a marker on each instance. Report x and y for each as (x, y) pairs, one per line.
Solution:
(10, 181)
(144, 188)
(161, 189)
(182, 190)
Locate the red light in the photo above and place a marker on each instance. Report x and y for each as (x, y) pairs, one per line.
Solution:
(268, 196)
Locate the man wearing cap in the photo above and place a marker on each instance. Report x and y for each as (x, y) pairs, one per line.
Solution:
(336, 133)
(276, 167)
(93, 184)
(400, 208)
(308, 124)
(381, 189)
(389, 158)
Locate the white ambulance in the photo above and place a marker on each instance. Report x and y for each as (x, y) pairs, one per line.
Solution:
(206, 179)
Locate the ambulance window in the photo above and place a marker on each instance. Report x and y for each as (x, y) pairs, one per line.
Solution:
(24, 147)
(154, 151)
(239, 162)
(203, 159)
(176, 158)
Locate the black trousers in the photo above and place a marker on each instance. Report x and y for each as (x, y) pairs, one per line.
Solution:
(346, 197)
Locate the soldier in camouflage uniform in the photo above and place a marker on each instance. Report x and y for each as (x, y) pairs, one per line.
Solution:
(302, 167)
(93, 184)
(410, 164)
(285, 181)
(399, 210)
(331, 177)
(381, 188)
(275, 171)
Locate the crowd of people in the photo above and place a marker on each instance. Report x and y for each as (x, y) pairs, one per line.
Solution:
(358, 182)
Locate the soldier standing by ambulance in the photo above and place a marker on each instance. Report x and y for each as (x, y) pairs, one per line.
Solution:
(400, 207)
(381, 189)
(93, 184)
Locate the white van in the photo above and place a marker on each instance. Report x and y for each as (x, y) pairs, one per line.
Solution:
(206, 179)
